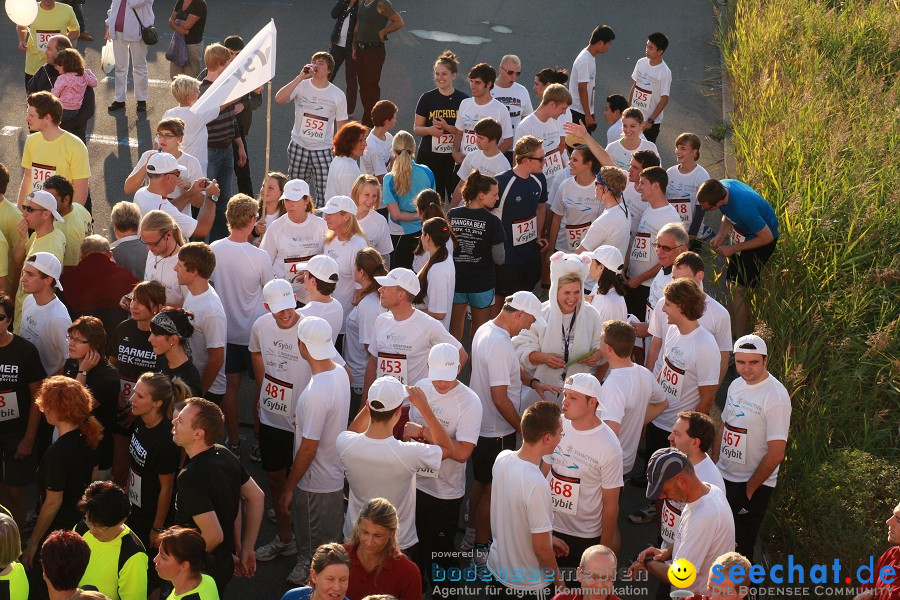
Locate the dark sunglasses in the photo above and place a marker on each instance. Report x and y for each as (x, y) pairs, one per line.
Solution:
(509, 72)
(31, 209)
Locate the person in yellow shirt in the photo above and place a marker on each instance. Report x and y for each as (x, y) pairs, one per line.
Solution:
(53, 18)
(13, 579)
(51, 151)
(77, 222)
(39, 214)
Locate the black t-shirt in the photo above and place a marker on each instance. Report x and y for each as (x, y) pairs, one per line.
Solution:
(20, 365)
(476, 231)
(434, 104)
(153, 453)
(133, 353)
(522, 197)
(211, 481)
(67, 467)
(103, 381)
(186, 371)
(197, 7)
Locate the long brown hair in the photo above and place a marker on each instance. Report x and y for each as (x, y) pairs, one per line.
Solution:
(439, 231)
(71, 402)
(281, 179)
(165, 390)
(369, 261)
(381, 512)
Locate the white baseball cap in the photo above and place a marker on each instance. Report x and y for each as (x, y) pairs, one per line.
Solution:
(529, 303)
(404, 278)
(47, 264)
(338, 204)
(321, 266)
(279, 295)
(584, 383)
(385, 394)
(45, 200)
(161, 163)
(751, 344)
(295, 190)
(443, 362)
(315, 333)
(608, 256)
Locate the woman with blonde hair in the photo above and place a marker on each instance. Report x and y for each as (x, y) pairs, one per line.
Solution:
(366, 192)
(343, 241)
(163, 238)
(68, 465)
(401, 187)
(379, 567)
(271, 204)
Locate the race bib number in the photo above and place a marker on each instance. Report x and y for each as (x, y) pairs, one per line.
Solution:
(126, 389)
(134, 488)
(313, 127)
(42, 38)
(671, 517)
(734, 444)
(737, 238)
(524, 231)
(574, 233)
(640, 249)
(9, 406)
(682, 207)
(564, 492)
(553, 163)
(430, 473)
(442, 144)
(642, 99)
(40, 174)
(468, 142)
(671, 378)
(275, 396)
(393, 365)
(292, 269)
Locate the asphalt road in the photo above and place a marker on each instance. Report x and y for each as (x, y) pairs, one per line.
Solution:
(542, 34)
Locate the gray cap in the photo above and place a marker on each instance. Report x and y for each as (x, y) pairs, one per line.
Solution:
(665, 464)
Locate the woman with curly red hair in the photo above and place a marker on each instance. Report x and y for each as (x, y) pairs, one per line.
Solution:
(348, 145)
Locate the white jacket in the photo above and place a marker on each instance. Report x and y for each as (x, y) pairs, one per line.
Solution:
(131, 31)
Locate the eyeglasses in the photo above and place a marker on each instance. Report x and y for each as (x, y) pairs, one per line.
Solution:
(96, 527)
(156, 243)
(31, 209)
(166, 136)
(663, 248)
(537, 158)
(76, 340)
(510, 72)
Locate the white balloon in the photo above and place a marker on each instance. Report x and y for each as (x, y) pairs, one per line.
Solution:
(22, 12)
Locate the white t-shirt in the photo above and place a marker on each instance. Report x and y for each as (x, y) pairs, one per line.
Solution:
(611, 228)
(715, 320)
(486, 166)
(611, 305)
(671, 513)
(469, 113)
(494, 363)
(385, 468)
(459, 411)
(584, 70)
(210, 331)
(321, 415)
(147, 201)
(651, 83)
(377, 157)
(241, 289)
(636, 206)
(401, 347)
(419, 260)
(578, 207)
(689, 361)
(625, 394)
(682, 191)
(194, 172)
(163, 270)
(286, 373)
(331, 311)
(516, 99)
(344, 254)
(550, 132)
(657, 285)
(47, 327)
(583, 464)
(195, 133)
(290, 243)
(376, 229)
(706, 532)
(358, 333)
(621, 156)
(520, 506)
(341, 176)
(441, 283)
(614, 132)
(316, 110)
(642, 256)
(754, 415)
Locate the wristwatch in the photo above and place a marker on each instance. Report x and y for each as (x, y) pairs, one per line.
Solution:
(651, 121)
(82, 373)
(213, 197)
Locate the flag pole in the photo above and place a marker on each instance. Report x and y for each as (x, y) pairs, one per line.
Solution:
(268, 127)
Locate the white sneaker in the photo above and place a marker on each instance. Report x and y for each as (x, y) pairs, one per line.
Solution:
(270, 514)
(299, 575)
(468, 541)
(276, 548)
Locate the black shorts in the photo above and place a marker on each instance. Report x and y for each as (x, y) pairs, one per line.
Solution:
(745, 269)
(517, 278)
(485, 453)
(16, 472)
(214, 398)
(276, 447)
(237, 359)
(636, 301)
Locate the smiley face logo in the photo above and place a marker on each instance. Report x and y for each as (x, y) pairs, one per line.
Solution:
(682, 573)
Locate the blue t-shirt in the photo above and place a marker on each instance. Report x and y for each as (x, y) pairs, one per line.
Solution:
(747, 210)
(519, 215)
(300, 594)
(422, 179)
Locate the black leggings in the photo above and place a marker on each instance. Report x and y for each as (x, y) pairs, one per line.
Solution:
(404, 249)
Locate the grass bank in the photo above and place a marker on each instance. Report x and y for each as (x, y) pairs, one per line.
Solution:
(816, 129)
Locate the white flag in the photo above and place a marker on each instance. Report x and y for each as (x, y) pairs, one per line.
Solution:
(252, 68)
